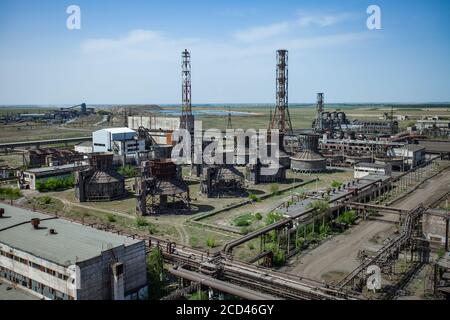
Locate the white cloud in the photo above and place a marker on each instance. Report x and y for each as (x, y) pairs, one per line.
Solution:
(263, 32)
(133, 38)
(256, 33)
(322, 20)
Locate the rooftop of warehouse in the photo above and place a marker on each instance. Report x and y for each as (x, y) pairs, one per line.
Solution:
(371, 165)
(73, 242)
(69, 166)
(120, 130)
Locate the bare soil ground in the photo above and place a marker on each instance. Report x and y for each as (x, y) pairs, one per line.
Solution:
(338, 256)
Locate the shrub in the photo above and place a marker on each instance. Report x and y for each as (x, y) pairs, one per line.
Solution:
(258, 216)
(273, 217)
(211, 242)
(244, 220)
(155, 269)
(111, 218)
(319, 206)
(141, 222)
(336, 184)
(10, 193)
(253, 197)
(127, 171)
(324, 229)
(348, 217)
(200, 295)
(44, 200)
(440, 252)
(152, 228)
(246, 230)
(55, 184)
(274, 188)
(300, 242)
(278, 258)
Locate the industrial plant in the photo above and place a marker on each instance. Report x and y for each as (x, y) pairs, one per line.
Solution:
(356, 192)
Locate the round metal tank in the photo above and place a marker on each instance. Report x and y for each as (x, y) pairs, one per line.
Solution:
(333, 115)
(308, 160)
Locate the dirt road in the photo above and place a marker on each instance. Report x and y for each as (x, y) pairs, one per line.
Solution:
(338, 256)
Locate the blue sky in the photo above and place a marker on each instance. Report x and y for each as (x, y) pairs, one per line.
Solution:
(129, 51)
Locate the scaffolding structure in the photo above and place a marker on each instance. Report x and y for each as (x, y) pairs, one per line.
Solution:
(160, 188)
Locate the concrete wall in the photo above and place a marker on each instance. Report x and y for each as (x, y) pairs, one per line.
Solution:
(101, 141)
(93, 279)
(96, 274)
(360, 172)
(30, 272)
(434, 227)
(154, 123)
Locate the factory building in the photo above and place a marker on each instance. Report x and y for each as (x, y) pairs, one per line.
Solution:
(364, 169)
(412, 154)
(84, 147)
(160, 128)
(120, 141)
(433, 123)
(57, 259)
(50, 157)
(29, 178)
(154, 123)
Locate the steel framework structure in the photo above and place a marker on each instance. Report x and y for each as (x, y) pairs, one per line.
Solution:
(281, 119)
(186, 105)
(318, 125)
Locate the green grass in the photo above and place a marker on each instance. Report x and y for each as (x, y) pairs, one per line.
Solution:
(141, 222)
(10, 193)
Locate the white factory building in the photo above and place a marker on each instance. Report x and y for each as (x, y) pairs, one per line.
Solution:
(120, 141)
(413, 154)
(364, 169)
(51, 258)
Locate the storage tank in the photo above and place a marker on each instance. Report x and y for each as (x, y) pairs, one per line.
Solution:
(308, 160)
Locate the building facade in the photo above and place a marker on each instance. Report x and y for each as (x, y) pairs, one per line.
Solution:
(120, 141)
(29, 178)
(364, 169)
(58, 259)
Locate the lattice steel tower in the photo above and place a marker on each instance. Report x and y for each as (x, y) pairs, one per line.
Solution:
(187, 119)
(229, 123)
(318, 124)
(281, 119)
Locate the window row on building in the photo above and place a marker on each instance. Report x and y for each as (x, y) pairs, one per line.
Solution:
(34, 265)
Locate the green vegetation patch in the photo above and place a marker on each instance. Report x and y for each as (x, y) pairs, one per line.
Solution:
(10, 193)
(55, 184)
(127, 171)
(348, 217)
